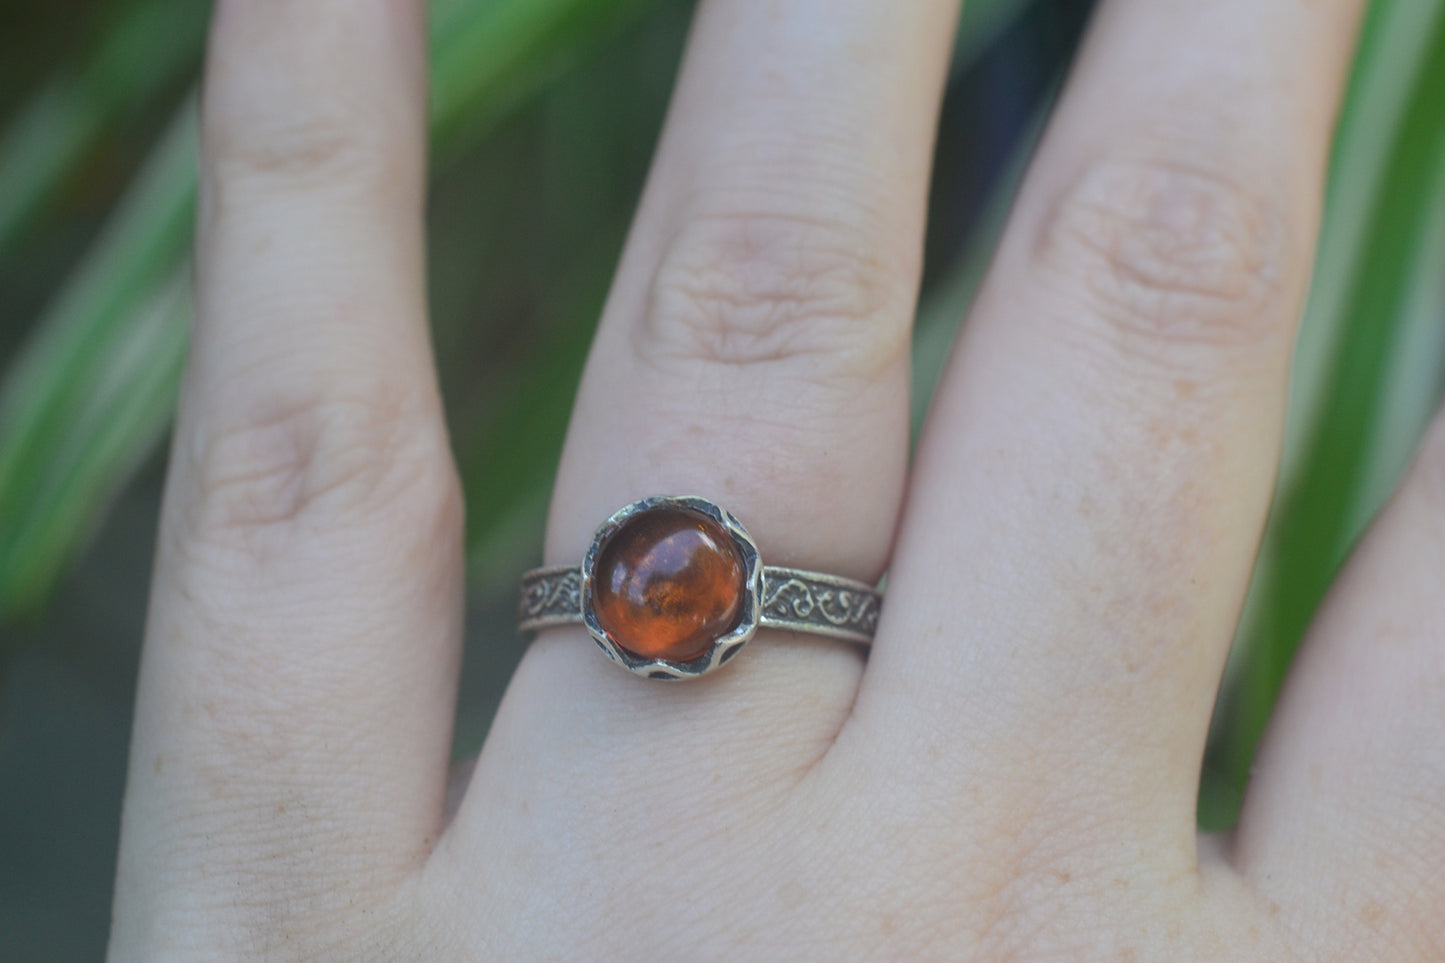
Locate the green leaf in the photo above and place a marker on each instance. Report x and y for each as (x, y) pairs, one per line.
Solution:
(980, 25)
(152, 46)
(1368, 369)
(489, 57)
(83, 404)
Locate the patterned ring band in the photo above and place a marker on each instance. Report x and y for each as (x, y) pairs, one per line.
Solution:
(672, 588)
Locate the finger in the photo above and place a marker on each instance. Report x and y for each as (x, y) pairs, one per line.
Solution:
(296, 689)
(753, 351)
(1094, 475)
(1344, 824)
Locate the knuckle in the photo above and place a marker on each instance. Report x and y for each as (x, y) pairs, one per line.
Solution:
(756, 288)
(314, 149)
(1168, 253)
(324, 464)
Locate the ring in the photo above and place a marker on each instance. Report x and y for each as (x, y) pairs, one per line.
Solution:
(673, 587)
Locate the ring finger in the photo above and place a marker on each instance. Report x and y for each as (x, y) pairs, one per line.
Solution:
(753, 351)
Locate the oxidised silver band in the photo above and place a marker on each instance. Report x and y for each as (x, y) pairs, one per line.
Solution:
(768, 597)
(793, 600)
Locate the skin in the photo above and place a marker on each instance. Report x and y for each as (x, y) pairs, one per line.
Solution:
(1012, 776)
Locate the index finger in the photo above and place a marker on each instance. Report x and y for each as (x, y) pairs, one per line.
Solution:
(297, 680)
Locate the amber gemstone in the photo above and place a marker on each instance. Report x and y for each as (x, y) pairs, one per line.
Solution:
(668, 583)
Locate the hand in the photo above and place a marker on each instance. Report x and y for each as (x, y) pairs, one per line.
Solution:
(1012, 774)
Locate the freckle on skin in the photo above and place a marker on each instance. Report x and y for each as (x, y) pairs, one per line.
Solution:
(792, 894)
(160, 764)
(1372, 915)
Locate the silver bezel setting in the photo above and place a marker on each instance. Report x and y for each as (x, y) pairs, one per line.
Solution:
(723, 648)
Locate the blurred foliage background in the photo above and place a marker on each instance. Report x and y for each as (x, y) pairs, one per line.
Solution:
(544, 114)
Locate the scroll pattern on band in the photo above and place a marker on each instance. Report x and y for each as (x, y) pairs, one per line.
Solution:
(796, 600)
(791, 599)
(550, 596)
